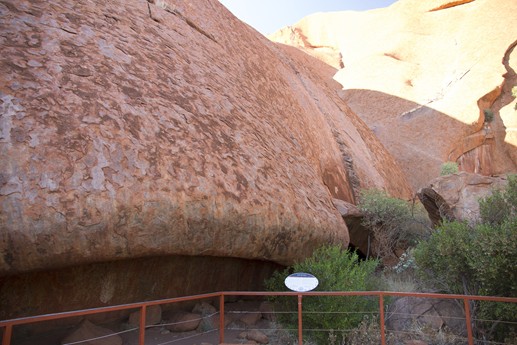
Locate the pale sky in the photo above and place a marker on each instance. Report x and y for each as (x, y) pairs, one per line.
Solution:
(267, 16)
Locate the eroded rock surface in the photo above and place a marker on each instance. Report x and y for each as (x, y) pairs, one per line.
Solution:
(421, 73)
(407, 312)
(134, 128)
(456, 196)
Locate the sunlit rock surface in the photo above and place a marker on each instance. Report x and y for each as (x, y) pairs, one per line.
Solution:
(421, 73)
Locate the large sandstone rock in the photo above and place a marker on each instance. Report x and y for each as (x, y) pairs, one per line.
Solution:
(133, 128)
(183, 321)
(420, 73)
(407, 312)
(456, 196)
(153, 316)
(89, 334)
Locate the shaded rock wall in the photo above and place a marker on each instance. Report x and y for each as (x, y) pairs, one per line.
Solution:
(118, 282)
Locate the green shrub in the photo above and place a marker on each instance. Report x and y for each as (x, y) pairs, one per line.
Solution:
(478, 259)
(501, 205)
(391, 222)
(336, 270)
(449, 168)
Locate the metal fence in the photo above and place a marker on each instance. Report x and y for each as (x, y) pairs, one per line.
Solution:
(8, 325)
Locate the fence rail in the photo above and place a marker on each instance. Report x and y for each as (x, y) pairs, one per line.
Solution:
(8, 325)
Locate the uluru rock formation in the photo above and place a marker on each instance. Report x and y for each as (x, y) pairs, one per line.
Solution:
(421, 74)
(158, 148)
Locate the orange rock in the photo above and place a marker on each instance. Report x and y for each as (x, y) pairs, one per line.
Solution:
(170, 128)
(456, 196)
(420, 74)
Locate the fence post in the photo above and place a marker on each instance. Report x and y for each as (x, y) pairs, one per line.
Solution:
(6, 339)
(221, 318)
(300, 336)
(381, 317)
(143, 311)
(468, 320)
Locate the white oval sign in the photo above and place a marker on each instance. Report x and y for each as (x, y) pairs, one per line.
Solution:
(301, 282)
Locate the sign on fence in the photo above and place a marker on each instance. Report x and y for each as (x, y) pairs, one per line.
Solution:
(301, 282)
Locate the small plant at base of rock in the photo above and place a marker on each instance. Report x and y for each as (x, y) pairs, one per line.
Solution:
(489, 115)
(449, 168)
(406, 262)
(333, 339)
(366, 333)
(425, 335)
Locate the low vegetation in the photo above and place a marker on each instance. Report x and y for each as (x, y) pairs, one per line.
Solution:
(479, 259)
(392, 223)
(337, 269)
(474, 259)
(449, 168)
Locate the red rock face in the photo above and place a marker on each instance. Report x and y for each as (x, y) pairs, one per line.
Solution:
(457, 196)
(421, 74)
(135, 129)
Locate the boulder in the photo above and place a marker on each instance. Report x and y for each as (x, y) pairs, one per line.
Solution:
(250, 318)
(258, 336)
(183, 321)
(205, 309)
(414, 73)
(97, 334)
(153, 316)
(407, 312)
(268, 311)
(456, 196)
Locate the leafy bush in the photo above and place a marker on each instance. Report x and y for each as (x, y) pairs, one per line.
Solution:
(391, 221)
(478, 260)
(449, 168)
(336, 270)
(501, 205)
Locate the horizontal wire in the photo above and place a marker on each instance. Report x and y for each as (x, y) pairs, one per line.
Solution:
(388, 314)
(181, 322)
(501, 321)
(101, 337)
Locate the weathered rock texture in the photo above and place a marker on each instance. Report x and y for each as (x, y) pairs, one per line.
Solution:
(420, 73)
(456, 196)
(406, 313)
(132, 129)
(142, 129)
